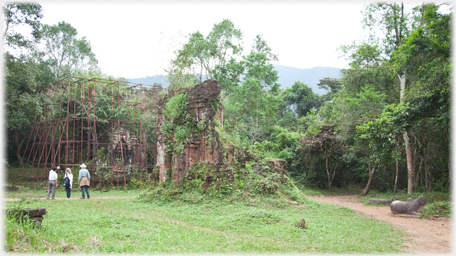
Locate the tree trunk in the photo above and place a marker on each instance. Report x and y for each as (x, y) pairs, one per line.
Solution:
(327, 171)
(18, 148)
(369, 182)
(334, 172)
(408, 149)
(426, 174)
(419, 174)
(397, 172)
(254, 134)
(411, 174)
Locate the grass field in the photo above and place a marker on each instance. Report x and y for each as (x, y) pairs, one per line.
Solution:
(136, 226)
(27, 193)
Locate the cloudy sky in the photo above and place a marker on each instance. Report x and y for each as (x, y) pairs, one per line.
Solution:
(138, 38)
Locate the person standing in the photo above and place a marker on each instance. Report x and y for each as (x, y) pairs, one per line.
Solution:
(52, 182)
(84, 180)
(70, 185)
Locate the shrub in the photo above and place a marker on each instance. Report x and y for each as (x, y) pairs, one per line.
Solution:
(440, 209)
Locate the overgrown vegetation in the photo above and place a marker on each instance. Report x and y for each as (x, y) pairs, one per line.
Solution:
(245, 185)
(437, 209)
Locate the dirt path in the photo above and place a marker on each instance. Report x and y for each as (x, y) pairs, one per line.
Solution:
(425, 236)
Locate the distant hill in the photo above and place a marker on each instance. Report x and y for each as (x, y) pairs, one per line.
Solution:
(287, 77)
(150, 80)
(310, 76)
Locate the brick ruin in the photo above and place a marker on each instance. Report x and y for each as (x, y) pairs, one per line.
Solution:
(118, 130)
(202, 145)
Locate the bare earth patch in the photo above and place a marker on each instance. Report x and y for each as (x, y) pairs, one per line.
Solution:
(425, 236)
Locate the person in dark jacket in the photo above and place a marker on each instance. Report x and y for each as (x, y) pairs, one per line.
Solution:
(70, 177)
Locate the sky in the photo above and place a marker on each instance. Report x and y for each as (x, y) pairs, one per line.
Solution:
(138, 38)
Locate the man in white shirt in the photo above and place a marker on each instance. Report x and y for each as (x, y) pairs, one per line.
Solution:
(52, 183)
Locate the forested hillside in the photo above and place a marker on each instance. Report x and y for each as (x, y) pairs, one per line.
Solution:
(383, 123)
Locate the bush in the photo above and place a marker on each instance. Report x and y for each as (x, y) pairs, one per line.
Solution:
(440, 209)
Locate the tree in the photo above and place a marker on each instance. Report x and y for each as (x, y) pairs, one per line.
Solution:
(301, 99)
(380, 134)
(27, 69)
(223, 44)
(393, 21)
(425, 57)
(23, 104)
(349, 110)
(16, 14)
(325, 144)
(331, 85)
(63, 52)
(209, 57)
(20, 71)
(420, 61)
(253, 103)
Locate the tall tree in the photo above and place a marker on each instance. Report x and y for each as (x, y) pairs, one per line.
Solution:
(392, 19)
(23, 104)
(21, 71)
(253, 103)
(420, 61)
(425, 57)
(63, 52)
(204, 57)
(17, 14)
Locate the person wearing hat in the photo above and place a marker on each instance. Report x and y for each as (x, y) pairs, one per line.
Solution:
(52, 182)
(84, 180)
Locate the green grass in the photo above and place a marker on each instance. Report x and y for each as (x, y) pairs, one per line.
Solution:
(241, 216)
(27, 193)
(210, 226)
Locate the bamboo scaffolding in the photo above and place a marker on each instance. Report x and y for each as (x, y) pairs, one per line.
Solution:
(73, 131)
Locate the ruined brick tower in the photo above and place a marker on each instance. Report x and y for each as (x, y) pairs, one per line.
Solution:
(201, 145)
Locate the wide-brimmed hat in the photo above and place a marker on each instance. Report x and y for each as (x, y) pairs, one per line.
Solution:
(83, 166)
